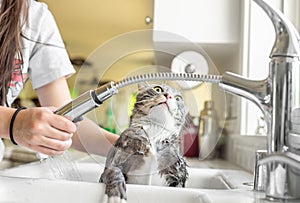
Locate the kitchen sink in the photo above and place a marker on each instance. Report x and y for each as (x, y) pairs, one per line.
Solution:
(201, 178)
(36, 182)
(29, 190)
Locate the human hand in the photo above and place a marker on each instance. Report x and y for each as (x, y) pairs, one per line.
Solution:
(43, 131)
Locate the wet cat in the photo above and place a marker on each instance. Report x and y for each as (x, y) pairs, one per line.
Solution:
(147, 152)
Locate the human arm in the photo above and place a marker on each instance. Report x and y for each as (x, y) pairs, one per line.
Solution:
(89, 136)
(38, 129)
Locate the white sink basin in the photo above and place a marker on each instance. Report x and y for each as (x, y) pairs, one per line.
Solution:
(90, 172)
(61, 191)
(35, 182)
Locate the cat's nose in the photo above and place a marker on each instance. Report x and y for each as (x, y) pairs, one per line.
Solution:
(168, 96)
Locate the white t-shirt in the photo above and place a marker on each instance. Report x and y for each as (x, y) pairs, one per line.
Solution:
(44, 55)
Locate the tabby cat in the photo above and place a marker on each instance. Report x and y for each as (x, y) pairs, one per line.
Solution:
(147, 152)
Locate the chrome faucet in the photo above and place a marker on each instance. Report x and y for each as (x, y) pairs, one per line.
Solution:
(278, 96)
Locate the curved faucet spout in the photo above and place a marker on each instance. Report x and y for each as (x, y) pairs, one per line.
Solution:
(287, 38)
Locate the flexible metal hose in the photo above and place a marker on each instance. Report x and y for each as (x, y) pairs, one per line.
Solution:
(168, 76)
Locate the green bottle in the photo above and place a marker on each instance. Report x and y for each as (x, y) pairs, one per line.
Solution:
(110, 124)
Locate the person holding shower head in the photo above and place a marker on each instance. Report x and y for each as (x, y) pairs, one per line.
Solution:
(31, 46)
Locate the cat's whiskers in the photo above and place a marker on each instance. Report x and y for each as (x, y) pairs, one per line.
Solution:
(151, 124)
(143, 101)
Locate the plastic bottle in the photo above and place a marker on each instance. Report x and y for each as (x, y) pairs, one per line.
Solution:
(110, 124)
(189, 138)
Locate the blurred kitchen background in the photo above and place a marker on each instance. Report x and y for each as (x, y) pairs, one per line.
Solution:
(233, 35)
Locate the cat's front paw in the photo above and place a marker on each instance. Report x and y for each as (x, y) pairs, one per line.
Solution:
(115, 193)
(113, 199)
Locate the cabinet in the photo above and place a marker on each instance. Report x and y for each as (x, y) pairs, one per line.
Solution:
(213, 25)
(201, 21)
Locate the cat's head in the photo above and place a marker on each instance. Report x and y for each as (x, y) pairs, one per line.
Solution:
(159, 104)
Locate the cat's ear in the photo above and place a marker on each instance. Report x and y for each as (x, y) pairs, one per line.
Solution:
(143, 86)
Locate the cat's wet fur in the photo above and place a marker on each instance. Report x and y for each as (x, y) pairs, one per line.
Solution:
(147, 152)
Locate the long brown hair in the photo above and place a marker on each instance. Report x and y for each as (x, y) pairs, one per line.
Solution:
(13, 14)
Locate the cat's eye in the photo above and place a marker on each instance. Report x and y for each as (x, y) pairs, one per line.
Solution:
(178, 98)
(158, 89)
